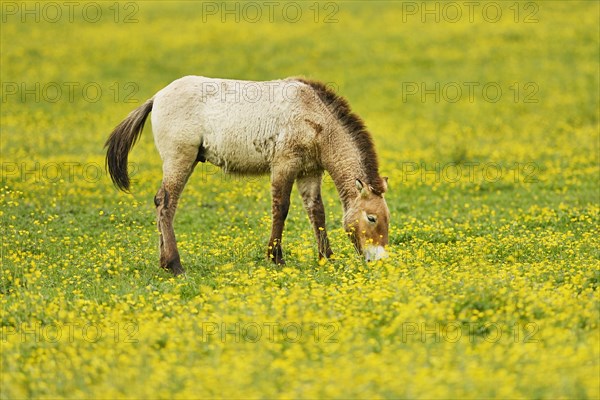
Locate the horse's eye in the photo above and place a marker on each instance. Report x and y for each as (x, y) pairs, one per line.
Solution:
(372, 218)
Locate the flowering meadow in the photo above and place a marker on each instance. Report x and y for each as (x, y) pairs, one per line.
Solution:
(485, 119)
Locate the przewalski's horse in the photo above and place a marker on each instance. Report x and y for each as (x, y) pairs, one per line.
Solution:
(293, 128)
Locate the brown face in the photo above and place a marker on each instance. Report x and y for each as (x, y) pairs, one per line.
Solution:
(367, 223)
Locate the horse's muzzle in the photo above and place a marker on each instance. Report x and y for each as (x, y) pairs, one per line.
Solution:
(374, 253)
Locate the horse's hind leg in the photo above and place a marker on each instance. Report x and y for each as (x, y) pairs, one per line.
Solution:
(176, 171)
(310, 190)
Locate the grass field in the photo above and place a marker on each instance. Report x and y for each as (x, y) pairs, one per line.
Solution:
(485, 117)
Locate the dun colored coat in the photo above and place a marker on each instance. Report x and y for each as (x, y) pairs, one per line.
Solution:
(293, 129)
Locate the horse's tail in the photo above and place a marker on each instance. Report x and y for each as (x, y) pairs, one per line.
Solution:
(120, 142)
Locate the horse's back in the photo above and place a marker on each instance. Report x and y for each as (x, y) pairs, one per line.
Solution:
(240, 125)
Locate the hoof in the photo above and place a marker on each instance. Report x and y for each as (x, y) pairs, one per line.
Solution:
(327, 254)
(275, 254)
(174, 266)
(276, 260)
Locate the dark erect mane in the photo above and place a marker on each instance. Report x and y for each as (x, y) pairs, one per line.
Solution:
(355, 128)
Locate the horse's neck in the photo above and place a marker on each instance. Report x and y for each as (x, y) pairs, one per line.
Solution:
(342, 160)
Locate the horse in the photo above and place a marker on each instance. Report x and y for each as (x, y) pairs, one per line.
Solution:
(293, 128)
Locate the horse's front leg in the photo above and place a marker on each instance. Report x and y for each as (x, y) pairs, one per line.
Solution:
(282, 181)
(310, 189)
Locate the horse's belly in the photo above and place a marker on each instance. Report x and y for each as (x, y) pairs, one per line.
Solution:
(232, 163)
(247, 150)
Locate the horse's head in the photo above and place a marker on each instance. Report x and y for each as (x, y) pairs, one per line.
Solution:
(367, 221)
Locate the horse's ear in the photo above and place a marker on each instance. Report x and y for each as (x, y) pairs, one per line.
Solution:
(385, 183)
(361, 188)
(359, 185)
